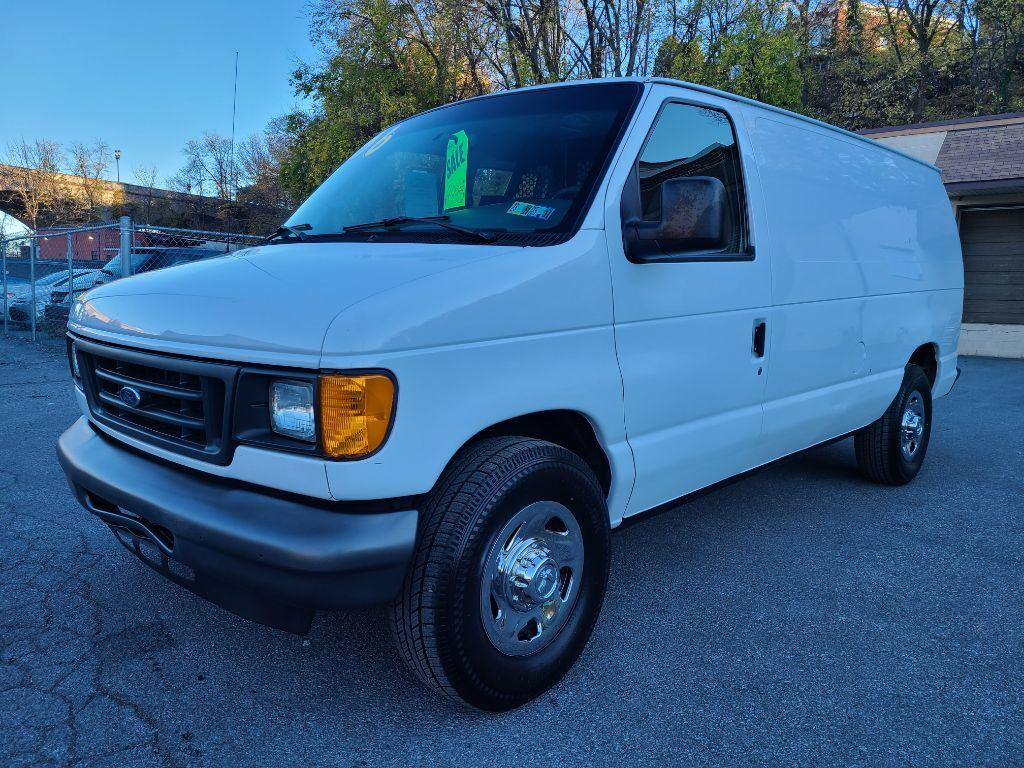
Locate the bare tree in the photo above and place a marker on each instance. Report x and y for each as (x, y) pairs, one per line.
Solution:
(625, 24)
(145, 176)
(266, 202)
(29, 176)
(89, 162)
(209, 167)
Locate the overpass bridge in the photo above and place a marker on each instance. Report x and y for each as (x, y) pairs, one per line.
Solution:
(53, 194)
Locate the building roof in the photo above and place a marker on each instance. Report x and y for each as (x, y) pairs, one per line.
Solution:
(960, 124)
(983, 154)
(975, 154)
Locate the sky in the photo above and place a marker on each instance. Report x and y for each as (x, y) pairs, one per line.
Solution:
(148, 75)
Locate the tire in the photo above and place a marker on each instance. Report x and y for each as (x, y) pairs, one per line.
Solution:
(886, 452)
(492, 517)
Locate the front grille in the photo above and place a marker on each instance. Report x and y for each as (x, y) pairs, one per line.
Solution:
(19, 315)
(171, 402)
(176, 403)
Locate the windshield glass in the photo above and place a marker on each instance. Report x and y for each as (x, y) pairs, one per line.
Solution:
(513, 166)
(139, 259)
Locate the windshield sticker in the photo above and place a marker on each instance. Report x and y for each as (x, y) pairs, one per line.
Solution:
(420, 193)
(456, 161)
(533, 211)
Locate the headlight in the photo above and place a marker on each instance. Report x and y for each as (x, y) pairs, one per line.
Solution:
(73, 354)
(334, 415)
(291, 409)
(355, 413)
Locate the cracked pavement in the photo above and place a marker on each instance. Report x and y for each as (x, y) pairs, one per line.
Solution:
(799, 617)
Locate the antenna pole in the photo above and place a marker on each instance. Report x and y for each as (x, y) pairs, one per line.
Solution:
(234, 106)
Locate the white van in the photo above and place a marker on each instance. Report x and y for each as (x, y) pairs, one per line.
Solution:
(499, 329)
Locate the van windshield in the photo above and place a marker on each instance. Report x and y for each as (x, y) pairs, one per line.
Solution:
(519, 168)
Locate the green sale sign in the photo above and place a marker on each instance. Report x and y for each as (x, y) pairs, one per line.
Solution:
(455, 163)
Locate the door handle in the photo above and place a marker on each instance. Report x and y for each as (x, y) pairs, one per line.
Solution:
(760, 327)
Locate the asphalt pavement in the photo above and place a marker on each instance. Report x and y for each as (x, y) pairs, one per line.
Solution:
(799, 617)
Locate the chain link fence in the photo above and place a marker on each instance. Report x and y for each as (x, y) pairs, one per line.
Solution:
(44, 272)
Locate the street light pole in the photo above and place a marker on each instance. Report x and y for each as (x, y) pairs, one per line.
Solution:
(117, 160)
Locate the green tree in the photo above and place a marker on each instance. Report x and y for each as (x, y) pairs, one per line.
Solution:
(846, 96)
(856, 63)
(681, 60)
(387, 63)
(996, 54)
(761, 56)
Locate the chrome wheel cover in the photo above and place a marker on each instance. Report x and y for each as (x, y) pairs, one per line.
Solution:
(531, 578)
(912, 426)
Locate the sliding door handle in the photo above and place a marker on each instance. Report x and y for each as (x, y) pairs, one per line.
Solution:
(760, 327)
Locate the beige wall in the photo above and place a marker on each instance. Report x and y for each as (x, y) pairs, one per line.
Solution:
(923, 146)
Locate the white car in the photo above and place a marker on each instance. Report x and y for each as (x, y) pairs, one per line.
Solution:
(20, 298)
(501, 328)
(19, 291)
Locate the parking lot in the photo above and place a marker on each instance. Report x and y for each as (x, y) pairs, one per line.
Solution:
(798, 617)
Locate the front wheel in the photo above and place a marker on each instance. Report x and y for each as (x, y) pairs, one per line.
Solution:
(891, 450)
(509, 573)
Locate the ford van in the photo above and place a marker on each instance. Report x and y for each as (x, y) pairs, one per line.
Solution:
(497, 331)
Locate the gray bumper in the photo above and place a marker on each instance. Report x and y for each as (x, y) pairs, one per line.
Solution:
(270, 558)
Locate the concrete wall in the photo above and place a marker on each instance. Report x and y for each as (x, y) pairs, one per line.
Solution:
(992, 340)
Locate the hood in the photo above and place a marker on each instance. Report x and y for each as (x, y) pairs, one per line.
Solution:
(270, 304)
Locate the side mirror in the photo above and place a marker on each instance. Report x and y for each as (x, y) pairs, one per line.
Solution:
(692, 219)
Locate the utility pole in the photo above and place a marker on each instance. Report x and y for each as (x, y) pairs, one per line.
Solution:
(117, 161)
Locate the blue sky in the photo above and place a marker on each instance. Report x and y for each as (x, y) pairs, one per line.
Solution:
(147, 75)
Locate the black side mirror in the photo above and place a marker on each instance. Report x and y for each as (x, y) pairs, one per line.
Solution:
(692, 220)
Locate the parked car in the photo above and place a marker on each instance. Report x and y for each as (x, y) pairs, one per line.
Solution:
(496, 332)
(55, 283)
(146, 259)
(54, 312)
(18, 290)
(11, 291)
(11, 294)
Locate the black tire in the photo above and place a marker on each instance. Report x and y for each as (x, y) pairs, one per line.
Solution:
(438, 622)
(880, 449)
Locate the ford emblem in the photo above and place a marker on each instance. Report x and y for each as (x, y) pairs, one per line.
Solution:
(130, 396)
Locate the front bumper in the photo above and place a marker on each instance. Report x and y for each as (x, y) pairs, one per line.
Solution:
(272, 558)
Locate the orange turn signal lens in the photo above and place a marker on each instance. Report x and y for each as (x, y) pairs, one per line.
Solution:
(355, 413)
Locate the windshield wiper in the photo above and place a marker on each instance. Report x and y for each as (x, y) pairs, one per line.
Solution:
(441, 221)
(297, 231)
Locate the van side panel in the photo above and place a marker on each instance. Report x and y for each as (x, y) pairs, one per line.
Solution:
(866, 267)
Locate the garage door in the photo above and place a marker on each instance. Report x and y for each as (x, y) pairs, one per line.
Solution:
(993, 244)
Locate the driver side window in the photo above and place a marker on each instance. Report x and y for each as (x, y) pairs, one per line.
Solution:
(689, 140)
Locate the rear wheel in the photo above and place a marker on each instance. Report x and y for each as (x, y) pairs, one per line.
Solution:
(891, 450)
(509, 573)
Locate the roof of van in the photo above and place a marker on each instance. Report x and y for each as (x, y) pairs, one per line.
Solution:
(787, 113)
(713, 92)
(731, 97)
